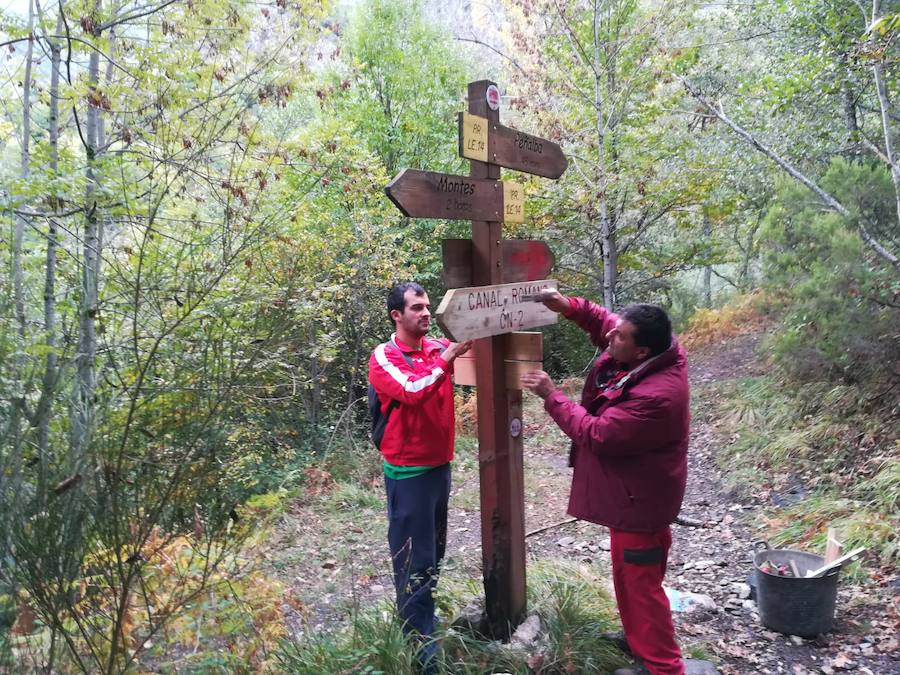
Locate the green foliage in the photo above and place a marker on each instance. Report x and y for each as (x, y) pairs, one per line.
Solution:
(635, 181)
(567, 351)
(397, 94)
(351, 498)
(882, 491)
(576, 608)
(406, 83)
(839, 319)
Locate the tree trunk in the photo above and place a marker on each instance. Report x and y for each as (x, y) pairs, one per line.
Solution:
(885, 105)
(744, 281)
(607, 231)
(82, 402)
(707, 269)
(848, 105)
(49, 380)
(18, 412)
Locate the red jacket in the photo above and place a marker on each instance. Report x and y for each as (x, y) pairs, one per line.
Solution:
(420, 431)
(629, 441)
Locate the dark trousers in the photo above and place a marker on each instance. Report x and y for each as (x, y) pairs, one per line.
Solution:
(638, 567)
(417, 536)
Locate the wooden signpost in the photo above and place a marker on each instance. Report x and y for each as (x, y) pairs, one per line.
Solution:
(482, 311)
(492, 281)
(521, 260)
(523, 354)
(484, 141)
(426, 194)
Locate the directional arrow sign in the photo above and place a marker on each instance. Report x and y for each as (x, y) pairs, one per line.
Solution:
(521, 260)
(426, 194)
(471, 313)
(494, 143)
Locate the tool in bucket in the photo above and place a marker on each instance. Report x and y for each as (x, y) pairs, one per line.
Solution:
(838, 562)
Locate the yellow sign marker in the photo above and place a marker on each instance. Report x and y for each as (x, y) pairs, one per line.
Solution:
(474, 137)
(513, 202)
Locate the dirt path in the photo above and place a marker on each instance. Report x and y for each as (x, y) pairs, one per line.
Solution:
(717, 560)
(332, 566)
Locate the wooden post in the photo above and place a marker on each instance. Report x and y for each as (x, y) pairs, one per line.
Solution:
(489, 261)
(499, 428)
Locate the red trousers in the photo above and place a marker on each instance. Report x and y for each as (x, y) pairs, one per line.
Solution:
(638, 567)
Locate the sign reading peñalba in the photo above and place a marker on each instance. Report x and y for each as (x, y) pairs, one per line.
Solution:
(494, 143)
(471, 313)
(427, 194)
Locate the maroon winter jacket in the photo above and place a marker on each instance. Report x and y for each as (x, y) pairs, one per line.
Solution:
(629, 441)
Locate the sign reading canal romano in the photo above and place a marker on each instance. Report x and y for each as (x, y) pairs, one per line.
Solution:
(471, 313)
(426, 194)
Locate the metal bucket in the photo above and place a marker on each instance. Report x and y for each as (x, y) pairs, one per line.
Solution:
(794, 605)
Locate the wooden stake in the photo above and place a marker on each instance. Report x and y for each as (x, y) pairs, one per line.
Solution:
(833, 548)
(499, 452)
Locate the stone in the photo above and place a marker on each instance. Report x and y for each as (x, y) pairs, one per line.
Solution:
(683, 601)
(527, 633)
(472, 620)
(797, 640)
(699, 667)
(565, 541)
(743, 591)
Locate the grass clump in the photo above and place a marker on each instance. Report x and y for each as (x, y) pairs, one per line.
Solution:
(573, 606)
(831, 448)
(373, 643)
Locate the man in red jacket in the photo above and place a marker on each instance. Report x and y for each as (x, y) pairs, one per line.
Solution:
(629, 453)
(411, 377)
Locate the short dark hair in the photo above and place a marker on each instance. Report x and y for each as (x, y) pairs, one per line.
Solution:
(652, 326)
(396, 299)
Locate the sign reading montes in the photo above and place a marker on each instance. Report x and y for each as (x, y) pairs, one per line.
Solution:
(426, 194)
(471, 313)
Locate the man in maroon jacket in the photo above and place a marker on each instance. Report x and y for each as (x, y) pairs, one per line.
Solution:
(629, 453)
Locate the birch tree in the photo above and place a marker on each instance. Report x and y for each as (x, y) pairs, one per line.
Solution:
(594, 75)
(146, 201)
(829, 81)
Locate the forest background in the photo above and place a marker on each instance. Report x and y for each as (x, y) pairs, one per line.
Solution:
(196, 247)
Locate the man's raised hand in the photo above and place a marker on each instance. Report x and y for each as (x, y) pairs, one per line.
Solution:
(538, 382)
(456, 349)
(552, 299)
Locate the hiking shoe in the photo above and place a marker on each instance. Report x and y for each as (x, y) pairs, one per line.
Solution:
(632, 670)
(617, 638)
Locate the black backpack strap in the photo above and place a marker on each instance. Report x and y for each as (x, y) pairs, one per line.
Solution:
(380, 425)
